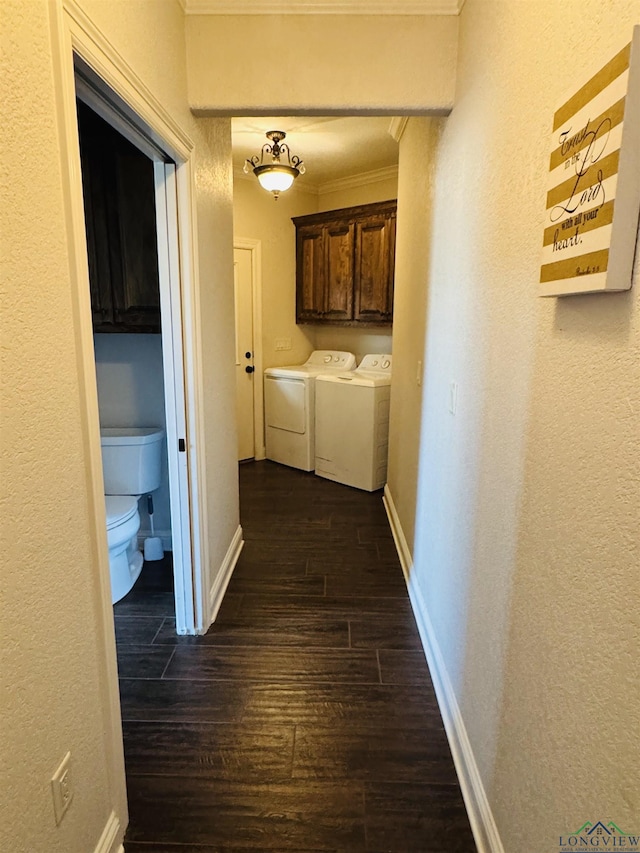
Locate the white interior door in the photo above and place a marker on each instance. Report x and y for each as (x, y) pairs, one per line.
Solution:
(245, 369)
(175, 397)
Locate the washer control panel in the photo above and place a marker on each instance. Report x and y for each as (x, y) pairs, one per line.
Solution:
(376, 363)
(332, 359)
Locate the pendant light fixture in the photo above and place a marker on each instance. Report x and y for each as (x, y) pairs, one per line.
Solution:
(274, 174)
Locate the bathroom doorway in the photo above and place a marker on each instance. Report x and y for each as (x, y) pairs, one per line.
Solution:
(136, 303)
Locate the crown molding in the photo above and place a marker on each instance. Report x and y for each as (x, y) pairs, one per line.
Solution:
(361, 180)
(397, 126)
(322, 7)
(348, 183)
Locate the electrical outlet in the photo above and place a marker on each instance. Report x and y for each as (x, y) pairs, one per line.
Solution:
(283, 343)
(62, 788)
(419, 374)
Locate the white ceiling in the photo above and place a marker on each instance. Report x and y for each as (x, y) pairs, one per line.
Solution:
(332, 147)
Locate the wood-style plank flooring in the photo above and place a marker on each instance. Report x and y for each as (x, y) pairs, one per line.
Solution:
(305, 720)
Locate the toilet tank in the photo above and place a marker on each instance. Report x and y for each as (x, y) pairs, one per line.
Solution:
(131, 459)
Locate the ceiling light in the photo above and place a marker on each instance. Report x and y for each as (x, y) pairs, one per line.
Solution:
(275, 175)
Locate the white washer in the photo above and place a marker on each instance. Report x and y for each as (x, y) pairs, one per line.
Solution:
(352, 424)
(289, 406)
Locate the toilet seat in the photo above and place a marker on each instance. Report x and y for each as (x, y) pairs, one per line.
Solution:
(120, 508)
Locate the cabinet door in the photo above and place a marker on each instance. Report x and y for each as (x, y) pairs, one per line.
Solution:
(338, 303)
(120, 219)
(375, 249)
(310, 273)
(96, 215)
(137, 295)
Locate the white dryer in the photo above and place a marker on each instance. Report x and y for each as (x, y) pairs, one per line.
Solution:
(289, 406)
(352, 424)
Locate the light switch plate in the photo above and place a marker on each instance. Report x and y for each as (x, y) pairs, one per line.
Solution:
(453, 397)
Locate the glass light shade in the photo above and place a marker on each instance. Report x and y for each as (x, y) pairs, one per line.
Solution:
(276, 179)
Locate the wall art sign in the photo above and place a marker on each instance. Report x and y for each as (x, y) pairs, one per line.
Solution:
(593, 197)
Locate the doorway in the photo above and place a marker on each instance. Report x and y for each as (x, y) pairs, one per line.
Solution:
(351, 161)
(137, 312)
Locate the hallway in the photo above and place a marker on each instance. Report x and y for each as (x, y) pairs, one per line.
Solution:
(305, 719)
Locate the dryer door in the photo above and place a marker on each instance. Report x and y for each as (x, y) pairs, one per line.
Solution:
(285, 403)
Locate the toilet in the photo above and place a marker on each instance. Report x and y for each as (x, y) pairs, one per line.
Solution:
(132, 465)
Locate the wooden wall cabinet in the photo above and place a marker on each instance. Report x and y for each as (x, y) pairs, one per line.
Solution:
(120, 220)
(345, 265)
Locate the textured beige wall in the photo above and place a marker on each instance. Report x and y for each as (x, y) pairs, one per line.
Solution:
(214, 187)
(50, 698)
(257, 216)
(53, 665)
(415, 191)
(526, 544)
(358, 341)
(305, 62)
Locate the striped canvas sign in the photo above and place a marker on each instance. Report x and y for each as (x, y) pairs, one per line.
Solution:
(594, 183)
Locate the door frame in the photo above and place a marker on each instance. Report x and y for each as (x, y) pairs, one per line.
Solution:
(74, 34)
(94, 94)
(255, 247)
(175, 396)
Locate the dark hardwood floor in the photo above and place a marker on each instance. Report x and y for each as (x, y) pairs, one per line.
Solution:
(305, 720)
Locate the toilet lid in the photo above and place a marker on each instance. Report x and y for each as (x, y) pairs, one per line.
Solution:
(120, 508)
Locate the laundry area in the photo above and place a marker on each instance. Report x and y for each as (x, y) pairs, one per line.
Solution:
(318, 365)
(331, 416)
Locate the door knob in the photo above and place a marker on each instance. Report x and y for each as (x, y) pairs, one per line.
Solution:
(249, 368)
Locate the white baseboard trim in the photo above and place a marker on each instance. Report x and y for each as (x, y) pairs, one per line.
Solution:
(402, 547)
(224, 573)
(483, 825)
(111, 838)
(165, 535)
